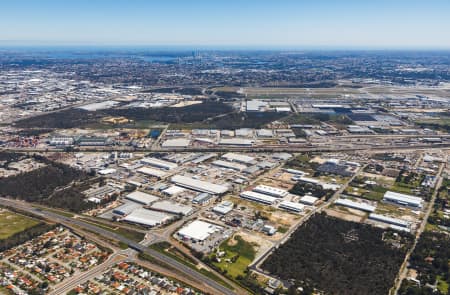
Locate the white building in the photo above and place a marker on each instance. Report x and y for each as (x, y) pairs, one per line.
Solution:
(271, 191)
(199, 185)
(257, 197)
(152, 172)
(238, 158)
(159, 163)
(198, 230)
(403, 199)
(308, 200)
(355, 205)
(141, 198)
(147, 217)
(174, 208)
(291, 206)
(223, 208)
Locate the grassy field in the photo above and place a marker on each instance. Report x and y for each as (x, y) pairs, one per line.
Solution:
(11, 223)
(236, 247)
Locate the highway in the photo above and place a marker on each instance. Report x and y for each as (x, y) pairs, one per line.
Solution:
(70, 223)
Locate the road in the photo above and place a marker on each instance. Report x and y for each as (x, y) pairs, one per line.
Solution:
(70, 223)
(404, 269)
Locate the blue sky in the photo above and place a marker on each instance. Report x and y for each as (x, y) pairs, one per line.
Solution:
(278, 23)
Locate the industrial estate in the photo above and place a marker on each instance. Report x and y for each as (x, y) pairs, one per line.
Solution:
(224, 173)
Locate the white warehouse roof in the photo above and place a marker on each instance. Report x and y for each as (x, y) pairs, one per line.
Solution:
(291, 206)
(199, 185)
(257, 197)
(238, 158)
(308, 200)
(271, 191)
(390, 220)
(176, 143)
(152, 172)
(147, 217)
(170, 207)
(403, 199)
(198, 230)
(355, 205)
(229, 165)
(159, 163)
(141, 197)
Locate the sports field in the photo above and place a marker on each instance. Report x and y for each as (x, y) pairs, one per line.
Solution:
(11, 223)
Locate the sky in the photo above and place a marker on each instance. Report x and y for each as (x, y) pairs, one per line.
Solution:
(377, 24)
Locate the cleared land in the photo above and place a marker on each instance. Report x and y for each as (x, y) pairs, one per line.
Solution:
(12, 223)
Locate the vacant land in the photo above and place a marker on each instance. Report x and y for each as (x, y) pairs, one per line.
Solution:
(238, 255)
(340, 257)
(12, 223)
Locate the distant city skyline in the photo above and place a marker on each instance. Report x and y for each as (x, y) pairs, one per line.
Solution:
(322, 24)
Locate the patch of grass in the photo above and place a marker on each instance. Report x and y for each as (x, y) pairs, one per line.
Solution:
(442, 285)
(11, 223)
(239, 251)
(127, 233)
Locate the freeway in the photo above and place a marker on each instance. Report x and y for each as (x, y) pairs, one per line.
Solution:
(70, 223)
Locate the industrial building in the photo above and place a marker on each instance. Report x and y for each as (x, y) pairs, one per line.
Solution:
(176, 143)
(308, 200)
(355, 205)
(390, 220)
(158, 163)
(236, 141)
(174, 208)
(233, 157)
(152, 172)
(198, 230)
(147, 217)
(229, 165)
(223, 208)
(291, 206)
(202, 199)
(199, 185)
(126, 208)
(403, 199)
(271, 191)
(257, 197)
(141, 198)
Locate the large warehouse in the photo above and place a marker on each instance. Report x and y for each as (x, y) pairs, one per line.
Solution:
(403, 200)
(355, 205)
(158, 163)
(238, 158)
(292, 206)
(147, 217)
(257, 197)
(198, 230)
(199, 185)
(141, 198)
(152, 172)
(174, 208)
(271, 191)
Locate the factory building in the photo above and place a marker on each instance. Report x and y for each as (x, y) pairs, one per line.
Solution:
(233, 157)
(229, 165)
(355, 205)
(257, 197)
(291, 206)
(199, 185)
(141, 198)
(174, 208)
(390, 220)
(152, 172)
(308, 200)
(198, 230)
(158, 163)
(147, 217)
(223, 208)
(271, 191)
(403, 199)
